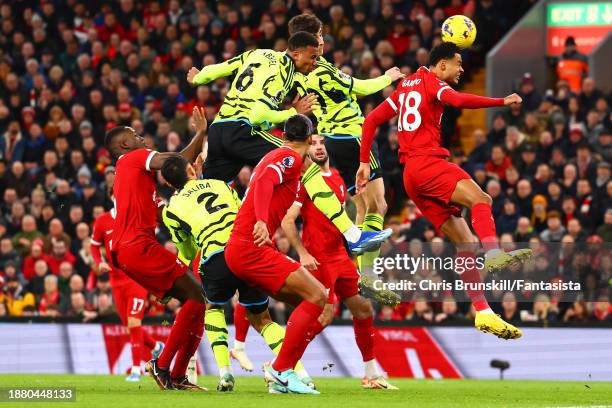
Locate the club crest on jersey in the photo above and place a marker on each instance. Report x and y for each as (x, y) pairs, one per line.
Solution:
(278, 98)
(288, 162)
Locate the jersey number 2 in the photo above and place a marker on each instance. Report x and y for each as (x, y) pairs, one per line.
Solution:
(409, 105)
(210, 199)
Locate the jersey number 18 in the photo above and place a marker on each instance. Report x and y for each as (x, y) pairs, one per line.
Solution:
(409, 105)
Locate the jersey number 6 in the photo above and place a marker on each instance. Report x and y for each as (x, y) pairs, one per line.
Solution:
(246, 78)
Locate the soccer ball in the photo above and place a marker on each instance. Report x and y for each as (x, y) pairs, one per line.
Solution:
(459, 30)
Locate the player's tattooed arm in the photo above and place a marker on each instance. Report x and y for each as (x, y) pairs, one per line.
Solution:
(194, 148)
(288, 224)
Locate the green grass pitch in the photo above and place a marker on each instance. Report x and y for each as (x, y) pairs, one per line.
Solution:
(98, 391)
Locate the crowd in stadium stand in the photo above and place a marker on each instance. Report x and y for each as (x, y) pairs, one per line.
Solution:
(70, 70)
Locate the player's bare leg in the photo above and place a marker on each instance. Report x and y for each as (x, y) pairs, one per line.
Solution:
(303, 325)
(372, 207)
(457, 230)
(468, 194)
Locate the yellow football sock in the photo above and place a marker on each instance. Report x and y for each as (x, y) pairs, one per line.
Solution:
(274, 334)
(324, 198)
(371, 222)
(216, 331)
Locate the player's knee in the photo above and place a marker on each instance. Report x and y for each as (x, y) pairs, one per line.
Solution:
(327, 316)
(259, 320)
(483, 198)
(318, 295)
(381, 206)
(363, 310)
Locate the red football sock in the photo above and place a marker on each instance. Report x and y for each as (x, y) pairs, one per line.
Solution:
(471, 275)
(484, 226)
(364, 336)
(136, 342)
(302, 326)
(148, 340)
(241, 323)
(179, 334)
(188, 349)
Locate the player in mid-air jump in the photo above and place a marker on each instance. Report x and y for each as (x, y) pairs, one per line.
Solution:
(129, 297)
(239, 134)
(324, 255)
(436, 185)
(339, 119)
(135, 249)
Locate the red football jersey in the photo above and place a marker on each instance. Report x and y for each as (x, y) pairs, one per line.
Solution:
(287, 164)
(416, 100)
(102, 235)
(320, 236)
(135, 198)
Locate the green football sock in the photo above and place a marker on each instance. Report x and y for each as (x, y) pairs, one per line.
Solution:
(371, 222)
(324, 198)
(273, 334)
(216, 331)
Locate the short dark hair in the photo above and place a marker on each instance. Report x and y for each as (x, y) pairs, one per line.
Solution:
(298, 128)
(302, 39)
(110, 137)
(446, 50)
(174, 171)
(305, 22)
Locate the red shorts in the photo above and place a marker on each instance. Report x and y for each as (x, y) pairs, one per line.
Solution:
(262, 267)
(148, 263)
(130, 300)
(339, 276)
(430, 182)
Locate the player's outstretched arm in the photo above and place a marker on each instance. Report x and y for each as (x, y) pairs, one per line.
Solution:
(215, 71)
(381, 114)
(469, 101)
(193, 149)
(370, 86)
(288, 224)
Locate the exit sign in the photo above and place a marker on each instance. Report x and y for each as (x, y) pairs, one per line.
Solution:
(579, 14)
(587, 22)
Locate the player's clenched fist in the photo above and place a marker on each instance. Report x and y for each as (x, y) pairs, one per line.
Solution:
(362, 177)
(304, 105)
(191, 74)
(260, 234)
(512, 99)
(395, 74)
